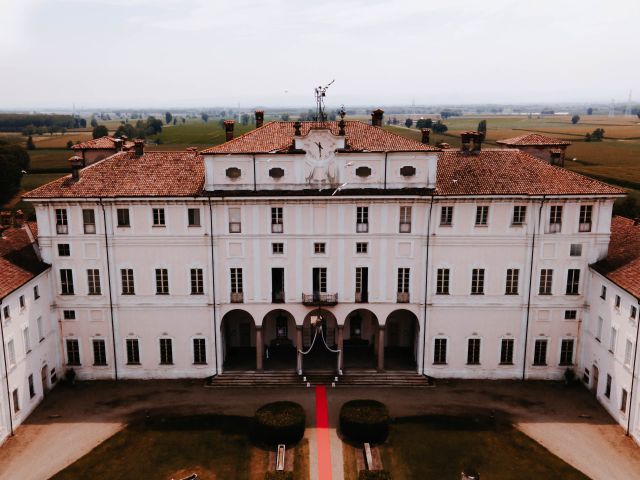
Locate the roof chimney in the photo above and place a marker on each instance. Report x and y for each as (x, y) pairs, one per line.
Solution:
(117, 143)
(556, 156)
(297, 126)
(376, 117)
(465, 140)
(76, 165)
(259, 118)
(341, 127)
(425, 135)
(18, 219)
(478, 138)
(138, 147)
(228, 129)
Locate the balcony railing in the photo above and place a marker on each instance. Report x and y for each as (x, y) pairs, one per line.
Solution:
(585, 227)
(403, 297)
(362, 297)
(62, 229)
(237, 297)
(277, 228)
(326, 299)
(554, 228)
(277, 297)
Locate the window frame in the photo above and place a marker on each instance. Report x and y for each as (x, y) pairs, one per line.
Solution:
(123, 218)
(94, 286)
(193, 217)
(440, 346)
(158, 218)
(362, 219)
(545, 286)
(196, 280)
(512, 281)
(162, 281)
(165, 346)
(474, 350)
(482, 216)
(89, 221)
(477, 281)
(540, 349)
(127, 281)
(405, 219)
(446, 215)
(506, 355)
(99, 348)
(519, 216)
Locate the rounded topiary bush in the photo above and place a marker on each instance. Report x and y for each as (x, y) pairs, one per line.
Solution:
(280, 422)
(364, 421)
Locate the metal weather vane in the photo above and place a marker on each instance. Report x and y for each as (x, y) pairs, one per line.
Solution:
(321, 92)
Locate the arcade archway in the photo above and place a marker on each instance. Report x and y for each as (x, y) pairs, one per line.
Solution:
(360, 333)
(317, 356)
(402, 333)
(238, 331)
(280, 337)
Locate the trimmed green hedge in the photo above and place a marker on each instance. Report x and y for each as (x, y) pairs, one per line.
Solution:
(280, 422)
(278, 476)
(364, 421)
(374, 475)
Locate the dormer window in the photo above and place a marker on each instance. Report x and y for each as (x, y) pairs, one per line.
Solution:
(408, 171)
(363, 172)
(233, 172)
(276, 172)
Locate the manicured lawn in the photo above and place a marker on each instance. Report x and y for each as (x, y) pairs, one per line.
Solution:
(163, 448)
(440, 447)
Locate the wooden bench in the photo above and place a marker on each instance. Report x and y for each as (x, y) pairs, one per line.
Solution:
(280, 458)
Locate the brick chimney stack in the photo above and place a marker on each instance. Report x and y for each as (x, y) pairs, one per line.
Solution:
(18, 219)
(425, 135)
(478, 138)
(76, 165)
(138, 147)
(467, 137)
(259, 118)
(228, 129)
(117, 143)
(376, 117)
(296, 127)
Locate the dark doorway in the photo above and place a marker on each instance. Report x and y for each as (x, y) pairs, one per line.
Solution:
(319, 282)
(362, 284)
(277, 285)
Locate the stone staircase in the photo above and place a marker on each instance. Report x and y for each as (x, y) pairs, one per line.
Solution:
(350, 378)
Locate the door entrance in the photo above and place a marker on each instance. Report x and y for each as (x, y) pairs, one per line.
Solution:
(319, 283)
(277, 285)
(244, 331)
(44, 377)
(362, 284)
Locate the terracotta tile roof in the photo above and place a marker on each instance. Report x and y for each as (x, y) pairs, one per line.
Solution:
(278, 137)
(533, 139)
(622, 265)
(154, 174)
(102, 143)
(19, 262)
(510, 172)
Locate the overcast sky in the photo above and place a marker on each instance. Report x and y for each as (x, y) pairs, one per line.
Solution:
(141, 53)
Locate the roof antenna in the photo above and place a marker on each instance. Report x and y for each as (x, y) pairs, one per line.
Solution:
(321, 92)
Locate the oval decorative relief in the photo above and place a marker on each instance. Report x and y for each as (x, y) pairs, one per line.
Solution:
(233, 172)
(363, 172)
(408, 171)
(276, 172)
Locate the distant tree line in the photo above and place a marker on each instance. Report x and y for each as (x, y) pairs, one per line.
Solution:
(14, 160)
(141, 129)
(30, 124)
(596, 136)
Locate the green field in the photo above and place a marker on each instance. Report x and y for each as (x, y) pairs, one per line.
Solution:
(197, 133)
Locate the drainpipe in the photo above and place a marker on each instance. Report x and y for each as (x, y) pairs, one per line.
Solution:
(6, 373)
(213, 288)
(633, 372)
(113, 328)
(426, 292)
(526, 328)
(385, 169)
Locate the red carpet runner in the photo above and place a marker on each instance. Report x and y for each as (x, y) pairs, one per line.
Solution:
(322, 434)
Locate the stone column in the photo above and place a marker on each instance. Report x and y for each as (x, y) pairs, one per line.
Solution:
(381, 348)
(340, 346)
(298, 348)
(259, 348)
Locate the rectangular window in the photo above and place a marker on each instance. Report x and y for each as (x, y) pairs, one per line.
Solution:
(362, 247)
(66, 281)
(40, 325)
(64, 250)
(123, 217)
(237, 295)
(197, 281)
(473, 351)
(570, 314)
(32, 388)
(199, 351)
(319, 280)
(277, 221)
(613, 340)
(6, 312)
(575, 250)
(26, 337)
(405, 219)
(403, 285)
(506, 351)
(512, 281)
(158, 217)
(62, 224)
(93, 281)
(546, 281)
(446, 216)
(193, 217)
(36, 292)
(89, 220)
(235, 226)
(11, 352)
(607, 388)
(440, 351)
(586, 211)
(319, 248)
(632, 312)
(442, 281)
(628, 352)
(133, 351)
(603, 292)
(99, 352)
(362, 219)
(277, 248)
(599, 326)
(623, 401)
(22, 302)
(482, 215)
(540, 352)
(16, 401)
(162, 281)
(566, 352)
(69, 314)
(477, 281)
(616, 302)
(573, 281)
(519, 215)
(73, 352)
(555, 219)
(128, 286)
(166, 351)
